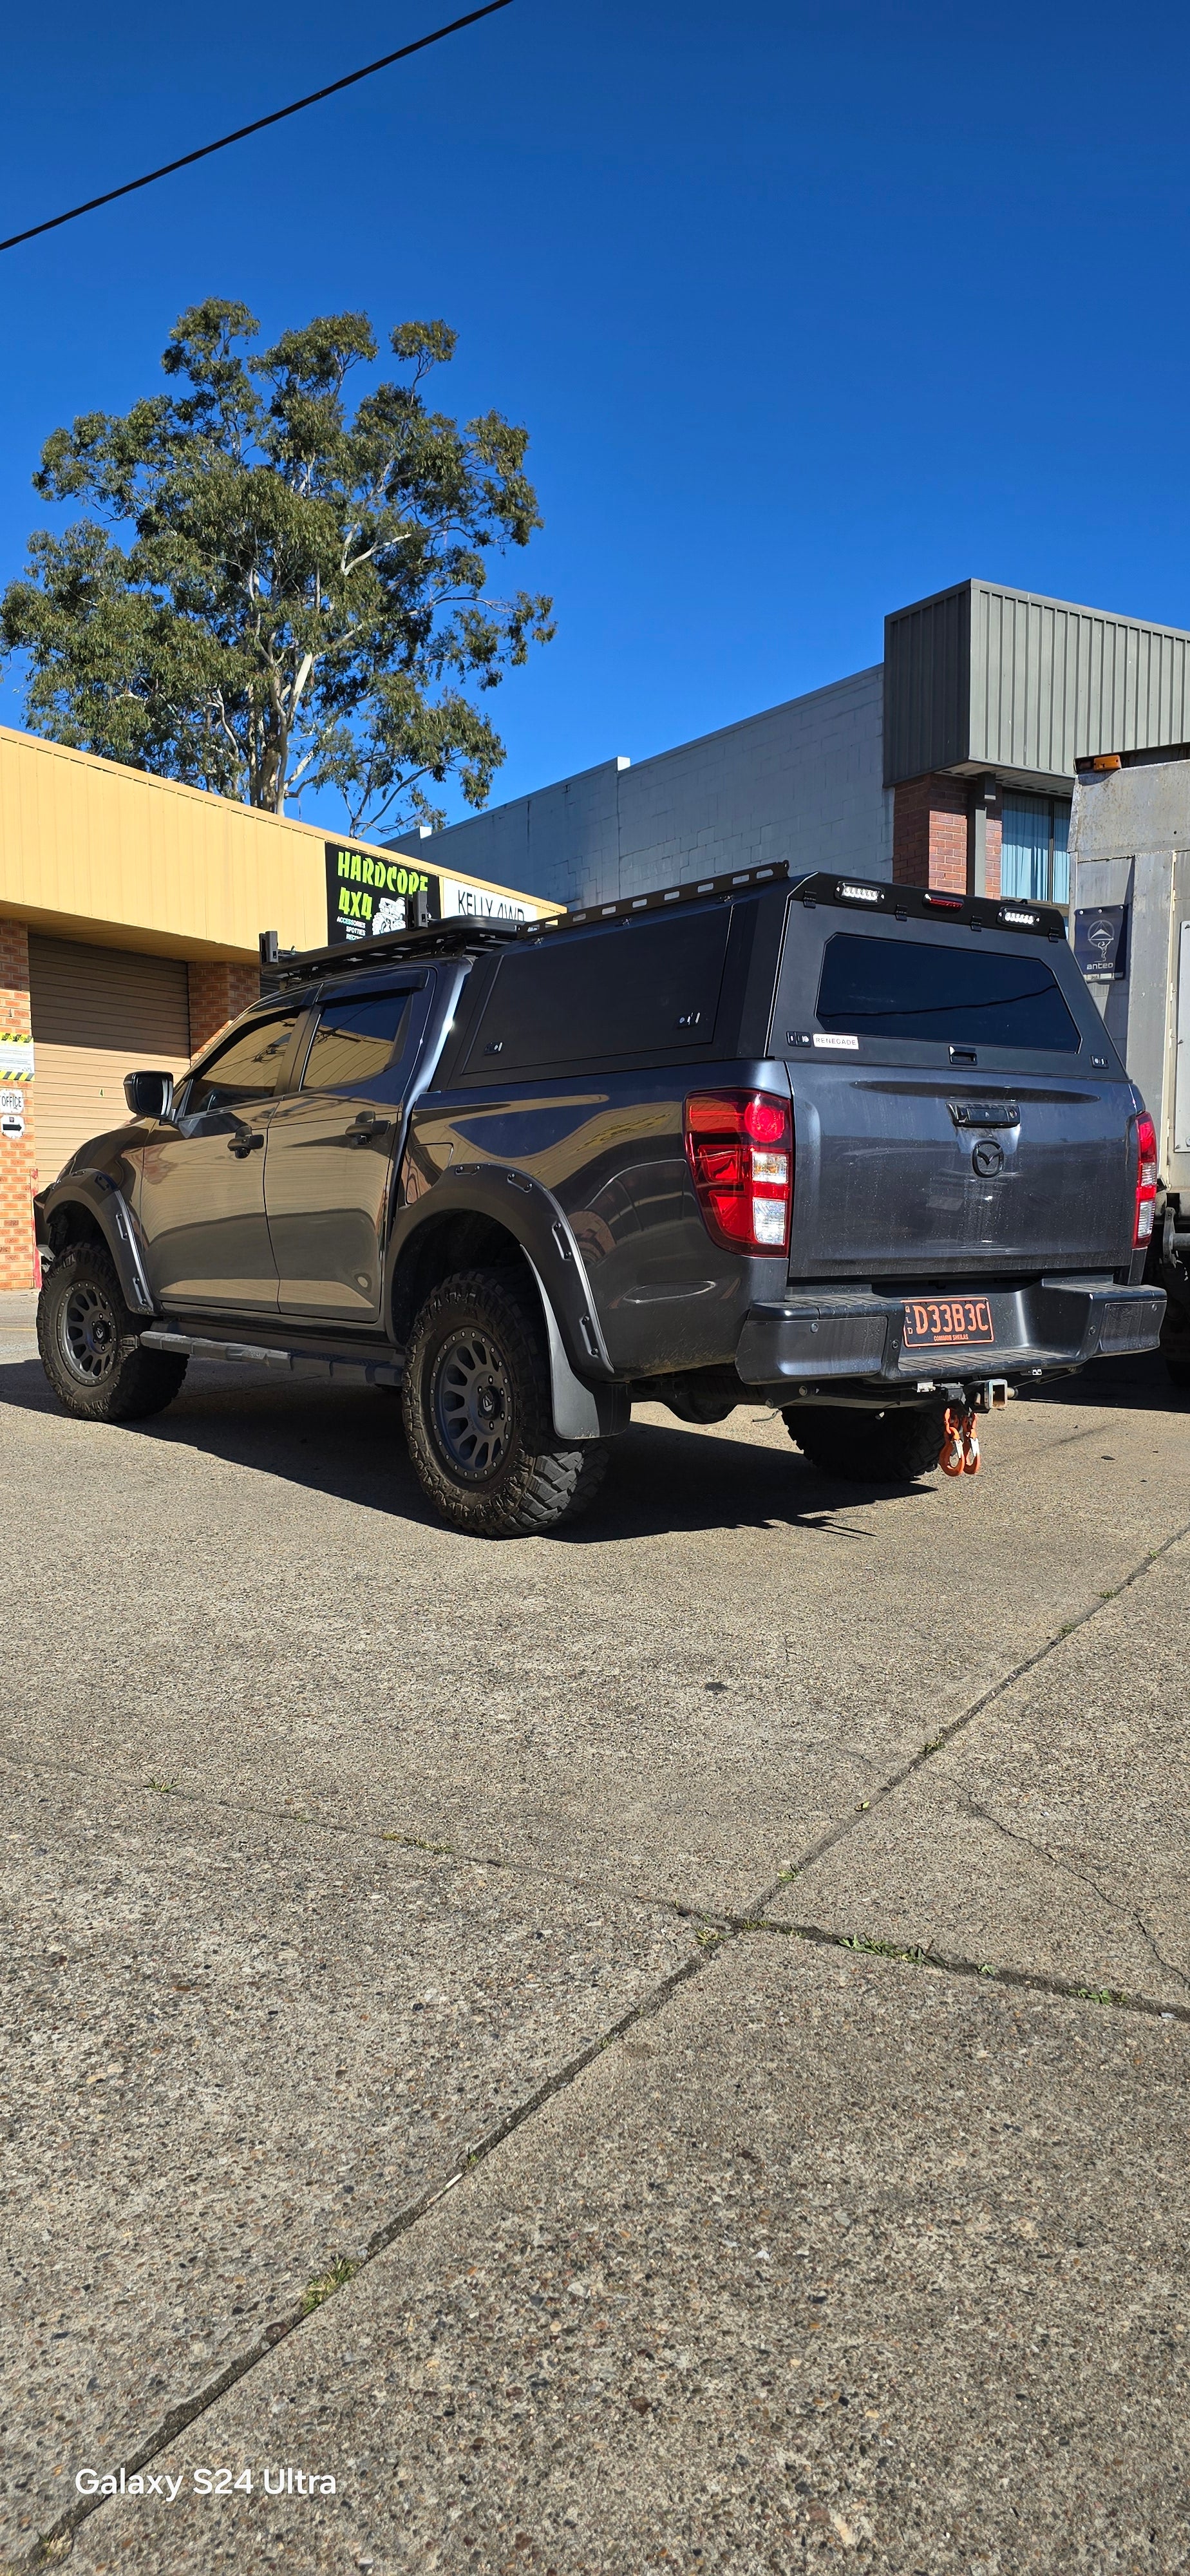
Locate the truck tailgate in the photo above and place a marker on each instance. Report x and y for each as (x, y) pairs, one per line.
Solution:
(930, 1176)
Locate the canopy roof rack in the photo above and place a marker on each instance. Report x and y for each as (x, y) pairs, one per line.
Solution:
(736, 881)
(433, 939)
(279, 967)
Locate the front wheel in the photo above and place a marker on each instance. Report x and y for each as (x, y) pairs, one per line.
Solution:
(88, 1344)
(478, 1419)
(869, 1448)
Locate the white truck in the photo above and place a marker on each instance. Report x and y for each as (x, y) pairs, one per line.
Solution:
(1130, 902)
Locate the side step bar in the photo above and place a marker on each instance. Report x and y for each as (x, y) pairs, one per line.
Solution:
(346, 1371)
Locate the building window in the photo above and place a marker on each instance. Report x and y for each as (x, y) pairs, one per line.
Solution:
(1034, 861)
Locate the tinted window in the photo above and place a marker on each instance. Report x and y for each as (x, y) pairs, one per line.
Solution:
(245, 1069)
(894, 988)
(356, 1043)
(643, 988)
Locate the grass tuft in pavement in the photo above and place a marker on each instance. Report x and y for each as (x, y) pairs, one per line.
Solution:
(326, 2284)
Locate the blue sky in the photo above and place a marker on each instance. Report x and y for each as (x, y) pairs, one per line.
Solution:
(809, 309)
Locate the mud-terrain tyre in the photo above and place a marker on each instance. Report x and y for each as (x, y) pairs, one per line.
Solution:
(476, 1406)
(869, 1448)
(88, 1345)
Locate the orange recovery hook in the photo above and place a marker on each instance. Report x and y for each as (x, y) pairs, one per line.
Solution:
(959, 1454)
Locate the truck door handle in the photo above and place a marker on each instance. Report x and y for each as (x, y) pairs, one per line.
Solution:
(242, 1145)
(365, 1127)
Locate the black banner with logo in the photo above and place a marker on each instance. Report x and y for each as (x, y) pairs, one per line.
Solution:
(369, 894)
(1101, 942)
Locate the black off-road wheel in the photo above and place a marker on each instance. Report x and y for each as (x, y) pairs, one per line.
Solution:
(88, 1344)
(869, 1448)
(476, 1404)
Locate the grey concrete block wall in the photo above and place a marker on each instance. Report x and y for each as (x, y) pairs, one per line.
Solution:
(802, 782)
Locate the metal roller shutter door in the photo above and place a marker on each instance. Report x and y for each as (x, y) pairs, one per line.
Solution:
(97, 1013)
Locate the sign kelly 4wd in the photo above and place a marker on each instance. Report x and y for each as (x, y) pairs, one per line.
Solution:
(372, 892)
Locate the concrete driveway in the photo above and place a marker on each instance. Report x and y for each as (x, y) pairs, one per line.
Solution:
(663, 2046)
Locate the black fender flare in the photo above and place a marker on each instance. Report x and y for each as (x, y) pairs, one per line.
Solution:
(103, 1199)
(587, 1405)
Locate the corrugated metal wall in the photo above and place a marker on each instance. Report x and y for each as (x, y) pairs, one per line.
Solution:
(1019, 682)
(1050, 683)
(927, 685)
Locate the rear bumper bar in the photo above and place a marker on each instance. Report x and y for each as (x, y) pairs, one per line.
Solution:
(813, 1339)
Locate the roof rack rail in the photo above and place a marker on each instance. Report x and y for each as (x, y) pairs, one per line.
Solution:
(453, 938)
(434, 939)
(736, 881)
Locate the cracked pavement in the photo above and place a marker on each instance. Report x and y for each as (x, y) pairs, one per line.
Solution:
(456, 2039)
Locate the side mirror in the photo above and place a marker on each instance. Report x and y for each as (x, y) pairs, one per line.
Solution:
(149, 1095)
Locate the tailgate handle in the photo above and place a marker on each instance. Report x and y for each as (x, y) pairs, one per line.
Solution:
(985, 1113)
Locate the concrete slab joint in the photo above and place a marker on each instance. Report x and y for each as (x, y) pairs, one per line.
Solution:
(596, 2070)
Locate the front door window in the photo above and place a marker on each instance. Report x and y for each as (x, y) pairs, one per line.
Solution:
(244, 1072)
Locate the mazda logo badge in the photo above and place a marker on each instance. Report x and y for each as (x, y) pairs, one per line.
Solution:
(988, 1158)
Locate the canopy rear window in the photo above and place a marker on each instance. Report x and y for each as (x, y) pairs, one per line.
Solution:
(901, 988)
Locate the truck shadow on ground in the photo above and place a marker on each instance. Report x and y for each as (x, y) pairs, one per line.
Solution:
(660, 1478)
(1140, 1385)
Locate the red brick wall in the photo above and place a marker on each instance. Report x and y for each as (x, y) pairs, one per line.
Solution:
(932, 835)
(18, 1157)
(218, 993)
(995, 841)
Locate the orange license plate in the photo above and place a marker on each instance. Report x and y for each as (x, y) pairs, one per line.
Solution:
(947, 1323)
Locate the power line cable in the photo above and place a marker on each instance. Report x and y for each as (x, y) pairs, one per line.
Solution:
(349, 79)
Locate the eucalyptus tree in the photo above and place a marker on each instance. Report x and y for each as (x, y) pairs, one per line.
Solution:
(273, 589)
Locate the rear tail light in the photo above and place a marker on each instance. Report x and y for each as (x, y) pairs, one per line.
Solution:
(1146, 1179)
(739, 1145)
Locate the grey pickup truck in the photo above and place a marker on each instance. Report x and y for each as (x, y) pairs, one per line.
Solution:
(859, 1152)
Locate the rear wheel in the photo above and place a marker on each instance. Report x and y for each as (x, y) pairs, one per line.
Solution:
(89, 1350)
(869, 1448)
(476, 1402)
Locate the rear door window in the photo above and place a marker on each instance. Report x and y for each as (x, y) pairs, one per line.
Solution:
(640, 989)
(359, 1044)
(900, 988)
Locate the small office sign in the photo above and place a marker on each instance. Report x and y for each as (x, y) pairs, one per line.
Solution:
(369, 895)
(1101, 942)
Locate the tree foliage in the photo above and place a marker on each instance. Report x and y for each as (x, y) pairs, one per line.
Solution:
(301, 597)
